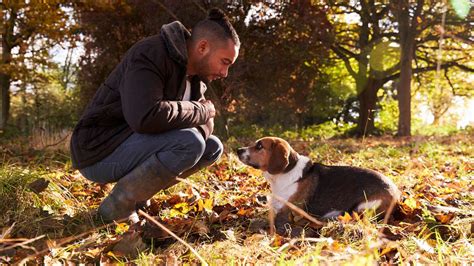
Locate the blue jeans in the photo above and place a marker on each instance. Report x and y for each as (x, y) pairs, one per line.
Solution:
(179, 150)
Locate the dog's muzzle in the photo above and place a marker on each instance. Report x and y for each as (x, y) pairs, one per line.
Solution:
(243, 154)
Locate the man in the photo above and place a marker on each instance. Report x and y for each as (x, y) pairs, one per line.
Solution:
(149, 122)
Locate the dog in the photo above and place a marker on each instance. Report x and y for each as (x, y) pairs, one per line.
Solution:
(322, 191)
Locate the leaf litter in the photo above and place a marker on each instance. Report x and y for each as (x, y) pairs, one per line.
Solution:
(222, 213)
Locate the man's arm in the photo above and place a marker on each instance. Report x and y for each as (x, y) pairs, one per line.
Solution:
(143, 105)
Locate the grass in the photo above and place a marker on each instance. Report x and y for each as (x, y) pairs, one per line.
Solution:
(221, 210)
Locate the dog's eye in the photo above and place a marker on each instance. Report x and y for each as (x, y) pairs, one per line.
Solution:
(259, 146)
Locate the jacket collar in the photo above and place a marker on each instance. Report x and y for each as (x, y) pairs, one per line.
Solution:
(175, 35)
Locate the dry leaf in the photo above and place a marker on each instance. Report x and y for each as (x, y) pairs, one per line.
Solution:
(130, 245)
(277, 241)
(201, 228)
(39, 185)
(346, 218)
(444, 218)
(121, 228)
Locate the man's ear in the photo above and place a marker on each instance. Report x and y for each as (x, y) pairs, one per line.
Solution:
(279, 159)
(203, 47)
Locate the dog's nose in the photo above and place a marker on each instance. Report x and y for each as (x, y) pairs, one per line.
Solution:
(240, 151)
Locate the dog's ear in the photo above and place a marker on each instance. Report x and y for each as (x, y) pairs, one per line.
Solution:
(279, 159)
(292, 159)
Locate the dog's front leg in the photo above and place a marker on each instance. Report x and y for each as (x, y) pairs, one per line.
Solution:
(284, 226)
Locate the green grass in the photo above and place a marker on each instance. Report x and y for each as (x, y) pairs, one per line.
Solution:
(431, 171)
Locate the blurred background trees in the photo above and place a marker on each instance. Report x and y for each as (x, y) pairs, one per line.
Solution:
(368, 67)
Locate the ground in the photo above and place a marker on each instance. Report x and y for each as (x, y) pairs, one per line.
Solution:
(48, 213)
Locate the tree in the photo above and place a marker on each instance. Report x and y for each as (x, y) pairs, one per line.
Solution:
(279, 75)
(407, 30)
(265, 85)
(353, 43)
(416, 22)
(412, 27)
(111, 28)
(29, 30)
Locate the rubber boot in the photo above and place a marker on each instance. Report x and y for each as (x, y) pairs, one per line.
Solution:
(137, 186)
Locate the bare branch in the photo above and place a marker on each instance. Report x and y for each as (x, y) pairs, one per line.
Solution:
(347, 63)
(452, 85)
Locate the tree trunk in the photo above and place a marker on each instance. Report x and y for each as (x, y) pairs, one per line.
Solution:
(368, 101)
(404, 88)
(5, 78)
(407, 32)
(404, 91)
(4, 100)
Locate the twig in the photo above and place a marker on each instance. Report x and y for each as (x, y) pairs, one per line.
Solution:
(22, 243)
(66, 240)
(8, 231)
(316, 240)
(13, 240)
(299, 210)
(173, 235)
(199, 6)
(56, 143)
(271, 215)
(388, 213)
(311, 239)
(186, 181)
(366, 125)
(166, 9)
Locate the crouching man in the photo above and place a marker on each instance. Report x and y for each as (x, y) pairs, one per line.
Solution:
(149, 122)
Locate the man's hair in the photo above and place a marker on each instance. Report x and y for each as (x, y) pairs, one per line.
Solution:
(215, 26)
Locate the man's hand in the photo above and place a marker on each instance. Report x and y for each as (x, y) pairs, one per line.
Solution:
(210, 108)
(210, 124)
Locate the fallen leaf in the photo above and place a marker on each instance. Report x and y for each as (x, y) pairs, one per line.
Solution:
(277, 241)
(422, 244)
(130, 245)
(346, 218)
(245, 212)
(121, 228)
(205, 204)
(444, 218)
(201, 228)
(39, 185)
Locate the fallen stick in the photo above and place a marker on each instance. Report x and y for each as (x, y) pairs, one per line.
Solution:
(299, 210)
(22, 243)
(67, 240)
(173, 235)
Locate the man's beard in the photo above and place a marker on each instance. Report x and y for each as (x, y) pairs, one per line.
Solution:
(203, 69)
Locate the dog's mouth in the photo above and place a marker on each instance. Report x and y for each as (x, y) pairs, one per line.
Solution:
(246, 160)
(256, 166)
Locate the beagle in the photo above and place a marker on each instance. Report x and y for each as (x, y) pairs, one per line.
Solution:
(321, 190)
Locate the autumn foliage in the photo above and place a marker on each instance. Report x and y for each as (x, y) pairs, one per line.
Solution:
(49, 214)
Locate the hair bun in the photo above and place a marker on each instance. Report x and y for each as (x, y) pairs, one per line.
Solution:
(216, 14)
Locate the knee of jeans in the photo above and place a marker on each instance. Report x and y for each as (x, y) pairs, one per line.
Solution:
(195, 144)
(214, 148)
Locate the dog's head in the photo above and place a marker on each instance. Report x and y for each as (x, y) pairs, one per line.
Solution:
(270, 154)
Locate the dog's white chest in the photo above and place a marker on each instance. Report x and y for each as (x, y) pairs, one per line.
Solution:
(285, 185)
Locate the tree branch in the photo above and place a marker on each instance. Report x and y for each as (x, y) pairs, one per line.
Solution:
(430, 68)
(452, 85)
(347, 63)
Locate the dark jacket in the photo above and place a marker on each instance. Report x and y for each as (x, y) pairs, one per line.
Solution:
(142, 94)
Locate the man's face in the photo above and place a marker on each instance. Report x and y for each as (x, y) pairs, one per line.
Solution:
(216, 60)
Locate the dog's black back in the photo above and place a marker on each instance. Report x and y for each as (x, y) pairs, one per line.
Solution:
(342, 188)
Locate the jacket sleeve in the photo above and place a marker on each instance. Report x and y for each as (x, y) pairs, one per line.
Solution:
(142, 92)
(205, 129)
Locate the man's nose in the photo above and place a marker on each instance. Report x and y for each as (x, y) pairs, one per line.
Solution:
(224, 72)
